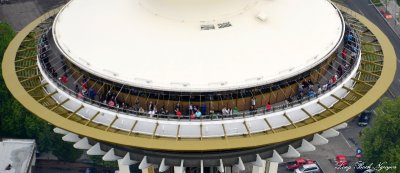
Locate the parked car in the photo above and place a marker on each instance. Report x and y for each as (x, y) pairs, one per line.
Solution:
(386, 14)
(298, 163)
(309, 168)
(341, 160)
(364, 118)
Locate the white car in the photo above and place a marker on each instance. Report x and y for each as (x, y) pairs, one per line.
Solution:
(310, 168)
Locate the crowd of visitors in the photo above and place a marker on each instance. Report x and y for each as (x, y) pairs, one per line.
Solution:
(85, 89)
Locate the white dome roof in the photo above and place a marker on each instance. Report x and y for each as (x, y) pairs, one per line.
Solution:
(144, 44)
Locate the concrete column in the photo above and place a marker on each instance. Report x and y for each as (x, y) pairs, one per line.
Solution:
(110, 156)
(143, 164)
(259, 169)
(319, 140)
(83, 144)
(306, 146)
(340, 126)
(201, 166)
(330, 133)
(291, 153)
(95, 150)
(71, 137)
(148, 170)
(178, 169)
(259, 162)
(221, 167)
(275, 157)
(163, 167)
(127, 160)
(123, 168)
(60, 131)
(271, 167)
(240, 165)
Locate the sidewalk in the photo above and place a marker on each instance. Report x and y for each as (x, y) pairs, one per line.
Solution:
(394, 10)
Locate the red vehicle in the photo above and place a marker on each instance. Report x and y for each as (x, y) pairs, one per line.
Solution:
(386, 14)
(341, 160)
(298, 163)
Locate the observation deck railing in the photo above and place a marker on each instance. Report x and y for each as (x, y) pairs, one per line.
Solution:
(240, 114)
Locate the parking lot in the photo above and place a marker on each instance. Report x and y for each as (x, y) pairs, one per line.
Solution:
(346, 143)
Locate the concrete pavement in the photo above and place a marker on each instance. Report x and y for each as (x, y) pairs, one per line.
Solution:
(394, 9)
(21, 12)
(348, 141)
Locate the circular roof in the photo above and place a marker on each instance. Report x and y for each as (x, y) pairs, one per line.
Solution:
(199, 45)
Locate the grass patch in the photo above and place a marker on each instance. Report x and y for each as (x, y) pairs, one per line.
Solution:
(378, 3)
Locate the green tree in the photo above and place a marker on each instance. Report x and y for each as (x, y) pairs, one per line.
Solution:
(65, 151)
(381, 142)
(99, 161)
(17, 122)
(6, 35)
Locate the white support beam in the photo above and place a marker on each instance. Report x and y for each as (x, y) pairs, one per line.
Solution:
(110, 156)
(95, 150)
(271, 167)
(341, 126)
(60, 131)
(83, 144)
(144, 164)
(221, 166)
(291, 153)
(276, 157)
(123, 168)
(330, 133)
(319, 140)
(71, 137)
(240, 165)
(306, 146)
(127, 160)
(163, 167)
(259, 169)
(181, 169)
(259, 161)
(201, 166)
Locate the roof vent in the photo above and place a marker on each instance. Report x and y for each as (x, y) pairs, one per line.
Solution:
(262, 16)
(184, 84)
(148, 81)
(207, 27)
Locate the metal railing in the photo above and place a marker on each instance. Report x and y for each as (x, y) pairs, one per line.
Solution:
(235, 114)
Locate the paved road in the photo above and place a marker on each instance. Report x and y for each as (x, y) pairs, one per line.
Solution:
(348, 141)
(364, 7)
(21, 12)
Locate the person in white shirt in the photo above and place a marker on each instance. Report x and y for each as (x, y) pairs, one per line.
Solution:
(224, 111)
(319, 90)
(253, 101)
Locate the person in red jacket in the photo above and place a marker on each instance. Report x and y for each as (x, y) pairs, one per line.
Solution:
(178, 113)
(64, 79)
(344, 54)
(269, 106)
(334, 79)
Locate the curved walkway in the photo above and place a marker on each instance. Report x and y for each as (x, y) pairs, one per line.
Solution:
(34, 106)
